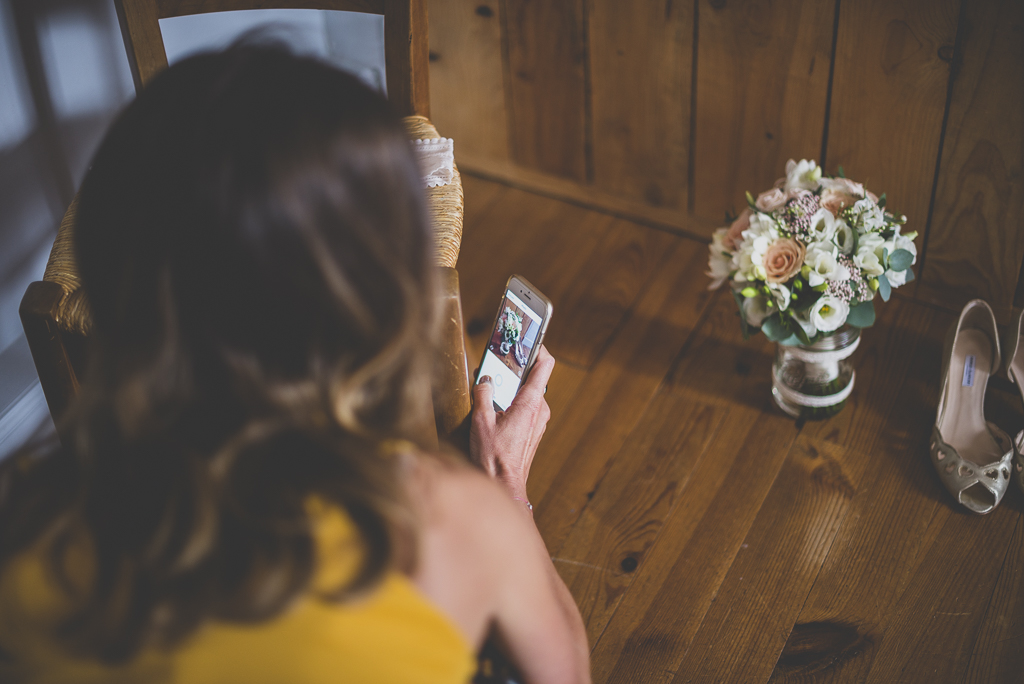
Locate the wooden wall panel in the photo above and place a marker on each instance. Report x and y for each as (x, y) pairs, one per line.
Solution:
(888, 97)
(640, 57)
(976, 238)
(762, 86)
(546, 63)
(467, 94)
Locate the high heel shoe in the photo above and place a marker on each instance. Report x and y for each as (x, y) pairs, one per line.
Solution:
(972, 456)
(1015, 372)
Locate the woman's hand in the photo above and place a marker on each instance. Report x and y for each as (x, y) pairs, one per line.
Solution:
(505, 443)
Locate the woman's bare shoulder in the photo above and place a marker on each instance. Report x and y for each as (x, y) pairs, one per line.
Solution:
(469, 533)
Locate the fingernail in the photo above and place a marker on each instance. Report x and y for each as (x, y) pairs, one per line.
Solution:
(485, 378)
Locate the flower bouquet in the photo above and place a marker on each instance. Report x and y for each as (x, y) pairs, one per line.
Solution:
(810, 255)
(512, 329)
(804, 262)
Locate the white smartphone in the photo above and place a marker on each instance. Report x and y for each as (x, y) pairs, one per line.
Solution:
(515, 339)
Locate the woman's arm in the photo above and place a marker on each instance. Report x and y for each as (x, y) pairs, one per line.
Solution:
(504, 445)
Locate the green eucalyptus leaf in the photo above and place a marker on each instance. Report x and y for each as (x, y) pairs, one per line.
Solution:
(881, 201)
(799, 331)
(790, 341)
(910, 276)
(885, 257)
(774, 329)
(884, 287)
(862, 315)
(900, 260)
(842, 174)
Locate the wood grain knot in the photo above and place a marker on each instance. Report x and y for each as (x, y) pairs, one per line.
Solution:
(484, 11)
(816, 646)
(475, 326)
(433, 56)
(830, 475)
(628, 564)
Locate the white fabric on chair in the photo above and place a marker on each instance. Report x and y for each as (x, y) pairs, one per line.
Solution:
(436, 158)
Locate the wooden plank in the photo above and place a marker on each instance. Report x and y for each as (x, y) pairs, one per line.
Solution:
(976, 238)
(888, 97)
(762, 86)
(999, 653)
(467, 93)
(625, 516)
(574, 453)
(640, 65)
(947, 595)
(546, 56)
(760, 598)
(597, 299)
(548, 185)
(662, 613)
(836, 635)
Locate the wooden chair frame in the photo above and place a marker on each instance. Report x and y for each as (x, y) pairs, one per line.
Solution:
(406, 54)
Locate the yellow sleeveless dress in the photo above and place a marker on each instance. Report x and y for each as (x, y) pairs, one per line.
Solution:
(393, 636)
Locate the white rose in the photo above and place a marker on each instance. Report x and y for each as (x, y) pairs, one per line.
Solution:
(822, 258)
(719, 260)
(755, 310)
(804, 174)
(823, 226)
(844, 237)
(828, 313)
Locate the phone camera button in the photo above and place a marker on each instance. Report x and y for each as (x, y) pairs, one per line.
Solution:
(497, 380)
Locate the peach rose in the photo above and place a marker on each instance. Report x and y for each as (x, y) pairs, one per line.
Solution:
(734, 237)
(838, 193)
(783, 260)
(836, 200)
(770, 200)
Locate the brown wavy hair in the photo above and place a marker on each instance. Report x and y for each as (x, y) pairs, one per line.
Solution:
(253, 244)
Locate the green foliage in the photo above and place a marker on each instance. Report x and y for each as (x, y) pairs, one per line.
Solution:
(884, 287)
(841, 174)
(743, 319)
(900, 260)
(862, 315)
(882, 201)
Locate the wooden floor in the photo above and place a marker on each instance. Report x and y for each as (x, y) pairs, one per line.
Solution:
(705, 535)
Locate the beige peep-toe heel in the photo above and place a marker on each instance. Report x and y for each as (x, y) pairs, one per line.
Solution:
(972, 456)
(1015, 372)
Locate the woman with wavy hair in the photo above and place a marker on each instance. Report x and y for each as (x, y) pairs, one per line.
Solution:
(242, 498)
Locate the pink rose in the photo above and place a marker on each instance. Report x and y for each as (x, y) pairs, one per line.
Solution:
(734, 237)
(836, 200)
(872, 196)
(838, 193)
(843, 185)
(783, 260)
(770, 200)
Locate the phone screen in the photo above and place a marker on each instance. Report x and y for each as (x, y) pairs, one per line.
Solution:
(508, 350)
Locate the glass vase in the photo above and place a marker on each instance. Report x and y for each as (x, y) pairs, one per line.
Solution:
(813, 381)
